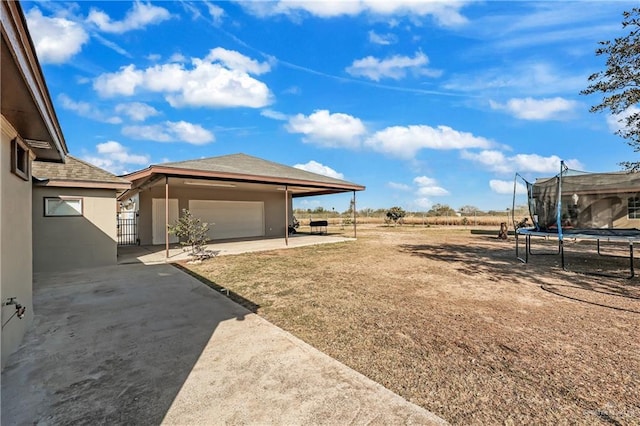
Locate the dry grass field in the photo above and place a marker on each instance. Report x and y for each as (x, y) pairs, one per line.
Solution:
(450, 320)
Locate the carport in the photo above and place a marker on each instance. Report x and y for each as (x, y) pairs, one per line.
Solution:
(242, 196)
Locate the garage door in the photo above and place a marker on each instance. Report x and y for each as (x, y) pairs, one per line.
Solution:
(230, 219)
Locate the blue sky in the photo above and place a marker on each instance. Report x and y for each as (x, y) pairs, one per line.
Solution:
(421, 102)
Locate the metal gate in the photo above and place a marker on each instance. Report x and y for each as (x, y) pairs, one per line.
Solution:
(128, 229)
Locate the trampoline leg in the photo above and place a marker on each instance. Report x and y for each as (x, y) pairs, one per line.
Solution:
(631, 259)
(526, 259)
(561, 249)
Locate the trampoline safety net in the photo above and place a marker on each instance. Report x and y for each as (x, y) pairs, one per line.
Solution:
(579, 200)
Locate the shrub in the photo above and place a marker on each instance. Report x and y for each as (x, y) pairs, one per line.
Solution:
(191, 231)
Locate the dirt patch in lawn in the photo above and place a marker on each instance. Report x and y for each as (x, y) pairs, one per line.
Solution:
(450, 320)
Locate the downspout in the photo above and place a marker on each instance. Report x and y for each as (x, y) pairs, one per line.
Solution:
(166, 216)
(355, 227)
(286, 215)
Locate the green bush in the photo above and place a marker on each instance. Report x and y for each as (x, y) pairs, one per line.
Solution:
(191, 231)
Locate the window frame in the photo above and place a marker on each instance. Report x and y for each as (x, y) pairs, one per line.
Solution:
(633, 208)
(60, 199)
(20, 159)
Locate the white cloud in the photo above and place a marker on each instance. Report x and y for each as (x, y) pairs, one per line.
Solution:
(210, 82)
(85, 109)
(395, 67)
(56, 39)
(423, 203)
(496, 161)
(136, 111)
(428, 187)
(237, 61)
(405, 142)
(398, 186)
(115, 157)
(123, 82)
(215, 11)
(382, 39)
(328, 130)
(293, 90)
(276, 115)
(445, 13)
(617, 122)
(537, 109)
(177, 57)
(530, 78)
(506, 187)
(171, 131)
(315, 167)
(141, 15)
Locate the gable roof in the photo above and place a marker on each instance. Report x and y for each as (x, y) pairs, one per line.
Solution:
(244, 168)
(248, 165)
(76, 173)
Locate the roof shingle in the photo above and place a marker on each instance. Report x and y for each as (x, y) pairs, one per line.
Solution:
(75, 170)
(246, 164)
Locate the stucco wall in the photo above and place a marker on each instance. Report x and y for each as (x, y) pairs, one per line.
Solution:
(15, 251)
(600, 211)
(87, 241)
(274, 206)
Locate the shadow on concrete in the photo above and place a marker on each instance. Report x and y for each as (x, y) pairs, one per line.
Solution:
(110, 345)
(240, 300)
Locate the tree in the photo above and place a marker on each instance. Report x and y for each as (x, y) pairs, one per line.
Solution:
(441, 210)
(469, 209)
(620, 82)
(349, 211)
(368, 211)
(192, 232)
(395, 214)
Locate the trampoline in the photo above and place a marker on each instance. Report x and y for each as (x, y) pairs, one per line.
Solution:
(601, 207)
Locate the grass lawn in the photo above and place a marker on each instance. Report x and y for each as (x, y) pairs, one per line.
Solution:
(451, 321)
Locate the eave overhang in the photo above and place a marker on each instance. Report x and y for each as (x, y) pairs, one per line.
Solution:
(26, 103)
(299, 188)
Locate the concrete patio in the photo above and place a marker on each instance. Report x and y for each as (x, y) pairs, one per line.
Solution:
(150, 255)
(149, 344)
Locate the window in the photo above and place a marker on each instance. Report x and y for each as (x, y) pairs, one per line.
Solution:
(633, 208)
(20, 160)
(62, 206)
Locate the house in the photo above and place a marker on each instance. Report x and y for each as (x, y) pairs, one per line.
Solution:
(74, 215)
(29, 131)
(242, 196)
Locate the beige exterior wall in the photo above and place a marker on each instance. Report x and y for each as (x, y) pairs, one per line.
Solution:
(87, 241)
(274, 206)
(15, 251)
(601, 211)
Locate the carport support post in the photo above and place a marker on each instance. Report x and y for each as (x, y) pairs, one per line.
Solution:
(355, 232)
(166, 216)
(286, 215)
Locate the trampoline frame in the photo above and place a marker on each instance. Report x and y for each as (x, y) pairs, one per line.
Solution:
(612, 235)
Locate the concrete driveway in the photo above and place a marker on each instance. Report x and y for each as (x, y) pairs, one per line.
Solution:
(142, 344)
